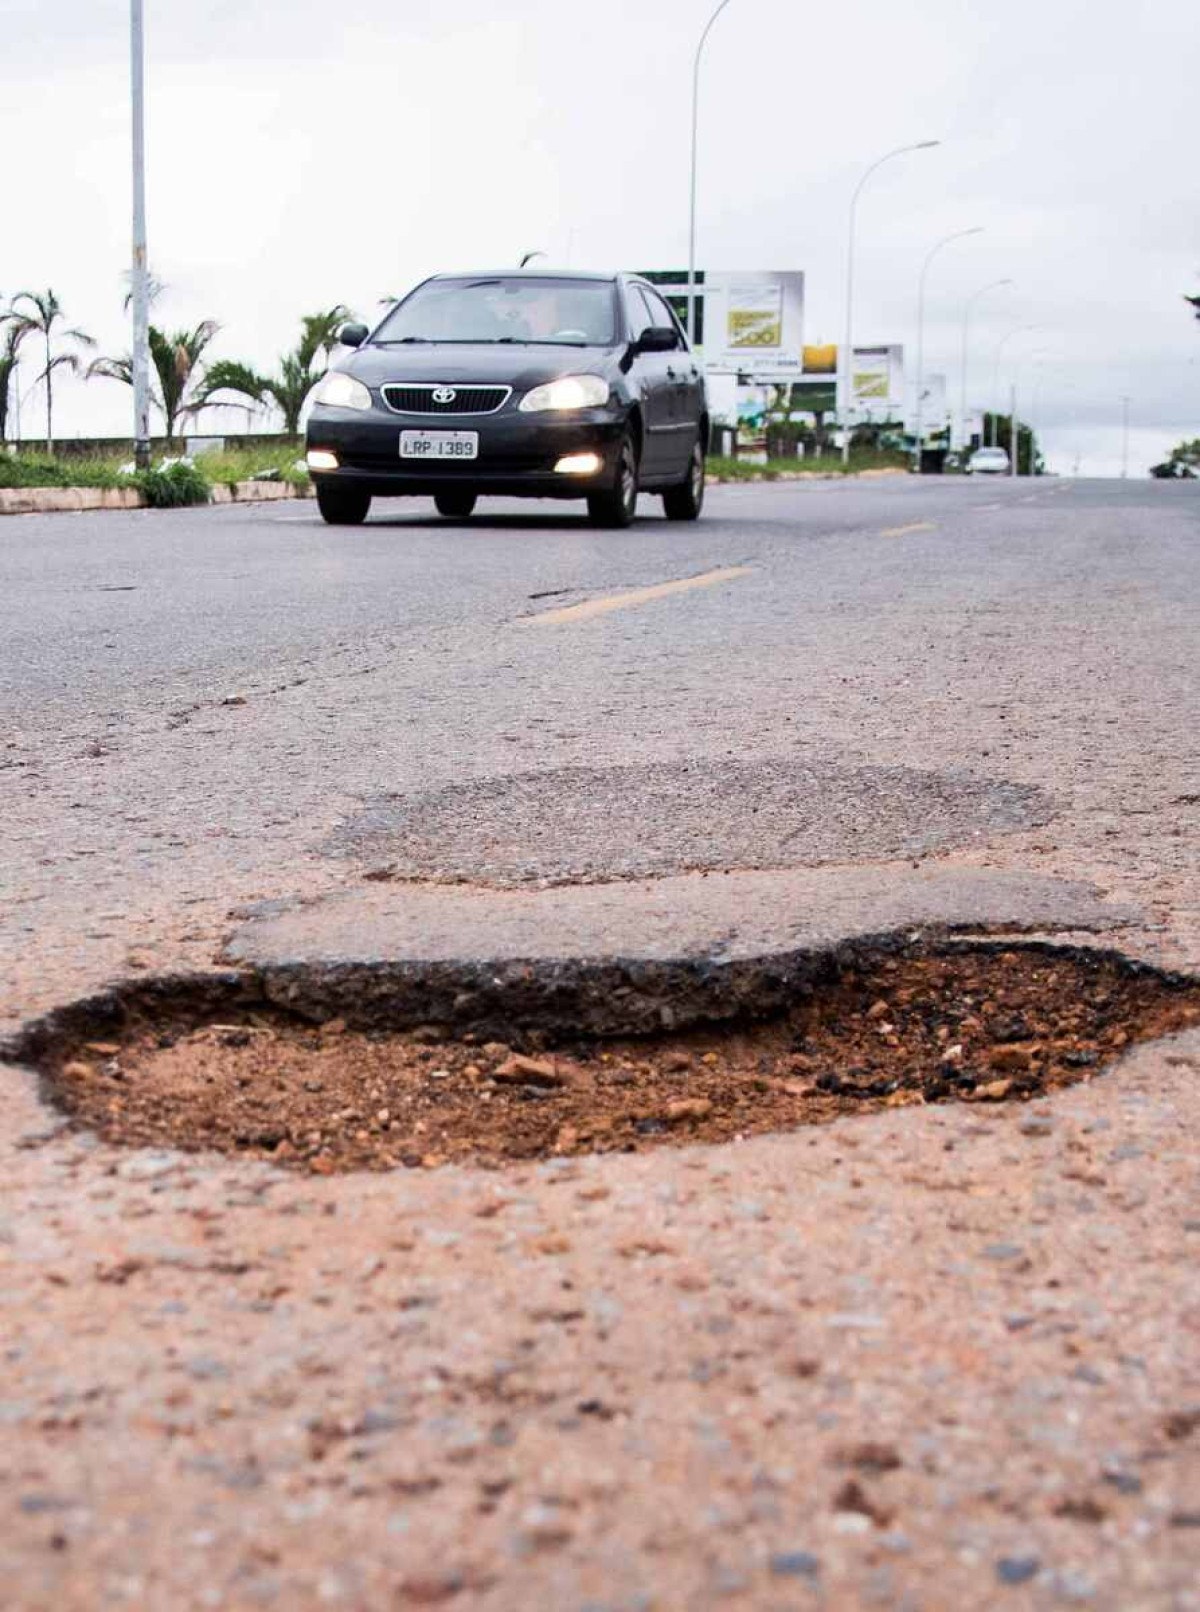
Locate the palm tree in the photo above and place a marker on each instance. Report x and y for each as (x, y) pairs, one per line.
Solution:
(41, 316)
(298, 371)
(9, 357)
(176, 357)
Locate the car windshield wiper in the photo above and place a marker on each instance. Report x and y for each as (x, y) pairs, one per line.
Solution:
(481, 341)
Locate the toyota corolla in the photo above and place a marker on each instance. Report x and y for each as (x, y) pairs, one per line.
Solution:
(530, 384)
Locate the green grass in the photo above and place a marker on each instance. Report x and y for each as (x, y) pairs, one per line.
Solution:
(242, 464)
(35, 470)
(180, 484)
(824, 465)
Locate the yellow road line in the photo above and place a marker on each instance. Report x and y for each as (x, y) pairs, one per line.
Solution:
(635, 596)
(903, 531)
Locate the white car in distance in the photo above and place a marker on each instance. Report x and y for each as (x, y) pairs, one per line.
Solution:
(988, 462)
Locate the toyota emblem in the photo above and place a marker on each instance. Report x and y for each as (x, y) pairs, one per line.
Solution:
(444, 394)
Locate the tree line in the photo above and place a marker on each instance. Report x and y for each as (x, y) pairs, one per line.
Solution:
(183, 380)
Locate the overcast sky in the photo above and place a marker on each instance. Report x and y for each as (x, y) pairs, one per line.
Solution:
(302, 154)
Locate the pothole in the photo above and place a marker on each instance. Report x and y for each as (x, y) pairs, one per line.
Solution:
(851, 1031)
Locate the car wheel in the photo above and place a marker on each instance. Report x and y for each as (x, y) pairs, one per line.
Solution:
(617, 505)
(343, 506)
(455, 506)
(684, 503)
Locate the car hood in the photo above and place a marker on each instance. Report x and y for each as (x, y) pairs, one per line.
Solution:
(518, 367)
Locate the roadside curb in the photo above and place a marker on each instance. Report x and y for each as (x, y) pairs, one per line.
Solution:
(72, 500)
(808, 475)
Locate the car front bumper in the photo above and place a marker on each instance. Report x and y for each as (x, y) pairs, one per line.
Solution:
(517, 453)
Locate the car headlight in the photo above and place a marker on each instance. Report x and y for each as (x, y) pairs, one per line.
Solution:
(342, 391)
(568, 392)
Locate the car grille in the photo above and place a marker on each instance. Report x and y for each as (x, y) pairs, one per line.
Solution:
(434, 397)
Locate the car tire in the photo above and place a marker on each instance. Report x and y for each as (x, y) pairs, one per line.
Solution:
(616, 506)
(455, 506)
(684, 503)
(343, 506)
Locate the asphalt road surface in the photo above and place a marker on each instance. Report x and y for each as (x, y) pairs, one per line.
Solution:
(971, 694)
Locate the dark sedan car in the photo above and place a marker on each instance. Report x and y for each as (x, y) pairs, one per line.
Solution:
(529, 383)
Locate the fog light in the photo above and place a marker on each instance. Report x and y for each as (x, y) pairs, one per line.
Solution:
(579, 464)
(321, 459)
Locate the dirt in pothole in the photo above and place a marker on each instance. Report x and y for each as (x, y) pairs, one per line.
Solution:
(980, 1027)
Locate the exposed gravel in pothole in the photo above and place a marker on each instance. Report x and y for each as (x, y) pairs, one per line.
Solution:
(577, 824)
(968, 1025)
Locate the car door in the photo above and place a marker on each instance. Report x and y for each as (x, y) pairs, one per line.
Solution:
(687, 387)
(655, 385)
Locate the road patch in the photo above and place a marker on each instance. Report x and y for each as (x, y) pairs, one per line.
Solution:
(627, 822)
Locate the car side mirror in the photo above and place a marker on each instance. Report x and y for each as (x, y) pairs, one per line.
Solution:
(353, 335)
(658, 339)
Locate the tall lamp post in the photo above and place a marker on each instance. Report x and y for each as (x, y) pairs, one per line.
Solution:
(1014, 431)
(958, 235)
(847, 364)
(140, 279)
(691, 291)
(992, 285)
(1019, 330)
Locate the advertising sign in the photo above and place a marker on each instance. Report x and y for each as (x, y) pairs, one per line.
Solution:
(934, 410)
(822, 360)
(878, 378)
(750, 322)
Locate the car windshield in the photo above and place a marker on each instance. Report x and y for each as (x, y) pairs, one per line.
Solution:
(545, 312)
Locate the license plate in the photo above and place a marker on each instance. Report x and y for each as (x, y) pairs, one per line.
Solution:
(439, 444)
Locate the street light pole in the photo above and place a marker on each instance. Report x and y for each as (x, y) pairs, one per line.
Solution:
(691, 291)
(1020, 330)
(847, 364)
(962, 400)
(976, 229)
(140, 286)
(1015, 433)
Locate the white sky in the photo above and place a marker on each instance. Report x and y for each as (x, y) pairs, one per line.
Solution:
(302, 154)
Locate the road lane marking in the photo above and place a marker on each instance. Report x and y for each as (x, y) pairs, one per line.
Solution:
(903, 531)
(635, 596)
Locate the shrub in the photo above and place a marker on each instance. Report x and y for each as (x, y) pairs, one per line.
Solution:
(172, 487)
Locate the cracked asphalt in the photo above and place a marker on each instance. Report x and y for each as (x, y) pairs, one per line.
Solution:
(925, 1359)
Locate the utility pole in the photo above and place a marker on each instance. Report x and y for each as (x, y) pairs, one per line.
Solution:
(141, 285)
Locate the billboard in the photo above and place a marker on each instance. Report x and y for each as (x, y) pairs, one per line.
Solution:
(878, 378)
(749, 321)
(933, 402)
